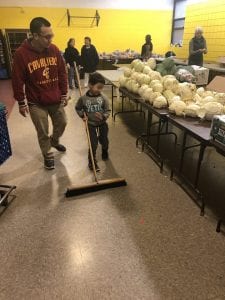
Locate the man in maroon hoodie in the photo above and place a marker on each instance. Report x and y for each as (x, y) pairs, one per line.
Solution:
(39, 67)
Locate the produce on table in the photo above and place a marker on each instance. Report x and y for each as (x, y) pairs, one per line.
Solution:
(134, 62)
(208, 110)
(148, 95)
(176, 98)
(185, 74)
(139, 67)
(154, 96)
(178, 107)
(127, 72)
(147, 70)
(187, 91)
(146, 79)
(117, 54)
(207, 99)
(151, 63)
(183, 99)
(160, 102)
(208, 93)
(122, 81)
(197, 99)
(154, 75)
(169, 95)
(200, 91)
(167, 67)
(154, 82)
(158, 87)
(135, 76)
(170, 83)
(142, 89)
(220, 97)
(192, 110)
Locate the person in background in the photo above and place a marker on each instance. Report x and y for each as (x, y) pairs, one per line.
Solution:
(71, 55)
(39, 67)
(197, 47)
(146, 51)
(89, 59)
(94, 107)
(170, 54)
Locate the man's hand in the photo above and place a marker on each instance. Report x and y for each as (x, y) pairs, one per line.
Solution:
(24, 110)
(68, 66)
(64, 100)
(99, 116)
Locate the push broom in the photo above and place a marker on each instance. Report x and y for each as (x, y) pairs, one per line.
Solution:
(98, 184)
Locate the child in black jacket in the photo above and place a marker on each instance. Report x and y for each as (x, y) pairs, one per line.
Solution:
(94, 106)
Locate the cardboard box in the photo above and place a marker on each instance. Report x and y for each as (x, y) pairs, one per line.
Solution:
(221, 61)
(201, 75)
(217, 84)
(218, 122)
(218, 129)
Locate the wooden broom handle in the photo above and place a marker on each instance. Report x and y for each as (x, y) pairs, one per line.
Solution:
(78, 78)
(86, 127)
(90, 149)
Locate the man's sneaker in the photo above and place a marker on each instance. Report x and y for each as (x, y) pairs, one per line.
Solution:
(91, 167)
(105, 155)
(49, 163)
(60, 148)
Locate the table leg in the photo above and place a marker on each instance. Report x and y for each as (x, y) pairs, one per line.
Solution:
(112, 100)
(122, 103)
(149, 123)
(148, 129)
(218, 225)
(182, 152)
(158, 135)
(200, 158)
(202, 213)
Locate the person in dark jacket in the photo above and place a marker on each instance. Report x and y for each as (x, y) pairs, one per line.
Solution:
(146, 51)
(89, 59)
(71, 55)
(197, 47)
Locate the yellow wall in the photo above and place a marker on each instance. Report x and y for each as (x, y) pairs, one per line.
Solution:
(118, 29)
(211, 16)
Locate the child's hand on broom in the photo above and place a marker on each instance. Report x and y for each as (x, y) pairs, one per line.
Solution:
(85, 118)
(99, 116)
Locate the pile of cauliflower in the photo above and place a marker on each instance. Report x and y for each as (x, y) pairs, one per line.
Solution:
(183, 99)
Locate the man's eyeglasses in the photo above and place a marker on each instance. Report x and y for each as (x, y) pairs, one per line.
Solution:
(47, 37)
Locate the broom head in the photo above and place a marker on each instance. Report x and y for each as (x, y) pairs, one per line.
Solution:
(94, 187)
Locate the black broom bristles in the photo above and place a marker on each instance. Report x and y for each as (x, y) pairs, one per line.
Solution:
(94, 187)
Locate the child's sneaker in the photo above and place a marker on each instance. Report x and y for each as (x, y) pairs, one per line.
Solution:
(105, 155)
(49, 163)
(91, 167)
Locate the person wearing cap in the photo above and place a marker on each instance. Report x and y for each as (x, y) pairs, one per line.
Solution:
(146, 51)
(197, 47)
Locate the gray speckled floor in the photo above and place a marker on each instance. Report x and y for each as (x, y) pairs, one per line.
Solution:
(143, 241)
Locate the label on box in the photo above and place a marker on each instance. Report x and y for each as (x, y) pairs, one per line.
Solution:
(201, 75)
(218, 129)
